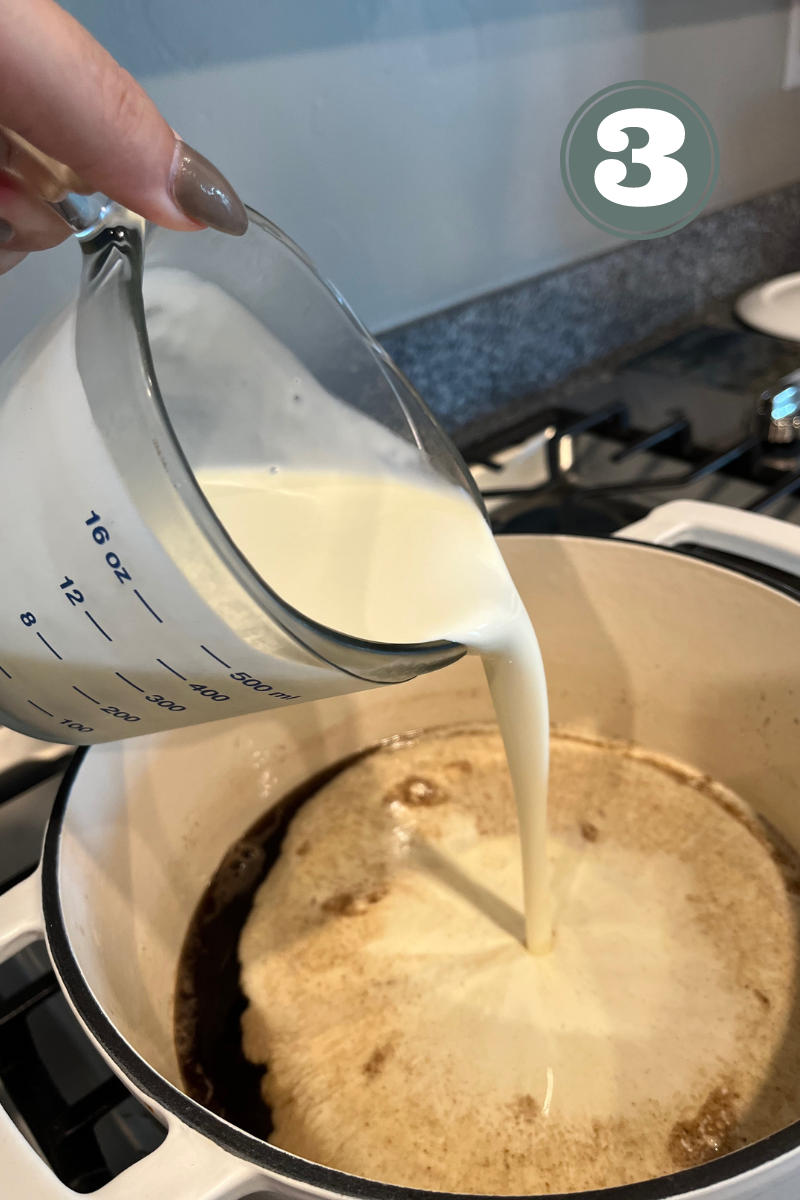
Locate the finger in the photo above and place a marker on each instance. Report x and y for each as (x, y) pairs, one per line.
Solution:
(9, 259)
(27, 223)
(66, 96)
(42, 175)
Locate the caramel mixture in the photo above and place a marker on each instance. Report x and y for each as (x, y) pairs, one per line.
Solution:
(408, 1035)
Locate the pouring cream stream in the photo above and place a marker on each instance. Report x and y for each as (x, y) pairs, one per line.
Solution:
(398, 559)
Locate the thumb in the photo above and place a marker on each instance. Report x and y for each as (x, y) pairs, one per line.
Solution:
(65, 95)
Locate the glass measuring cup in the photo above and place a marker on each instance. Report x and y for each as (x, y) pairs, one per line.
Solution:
(127, 607)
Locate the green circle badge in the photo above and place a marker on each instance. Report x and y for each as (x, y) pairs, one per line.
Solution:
(640, 159)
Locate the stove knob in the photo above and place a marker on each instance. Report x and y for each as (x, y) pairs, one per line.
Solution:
(779, 411)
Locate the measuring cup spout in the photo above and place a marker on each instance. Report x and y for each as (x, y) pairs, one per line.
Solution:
(85, 213)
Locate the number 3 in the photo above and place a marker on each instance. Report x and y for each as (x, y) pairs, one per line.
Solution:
(668, 178)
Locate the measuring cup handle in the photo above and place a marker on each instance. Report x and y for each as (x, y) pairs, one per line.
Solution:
(25, 1174)
(748, 535)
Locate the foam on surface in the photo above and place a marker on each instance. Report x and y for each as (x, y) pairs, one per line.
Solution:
(410, 1037)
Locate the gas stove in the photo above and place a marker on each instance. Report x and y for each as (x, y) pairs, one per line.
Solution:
(712, 415)
(58, 1090)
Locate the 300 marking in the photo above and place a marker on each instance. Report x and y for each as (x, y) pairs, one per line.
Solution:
(164, 703)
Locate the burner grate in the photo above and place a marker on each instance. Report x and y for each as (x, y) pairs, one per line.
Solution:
(563, 485)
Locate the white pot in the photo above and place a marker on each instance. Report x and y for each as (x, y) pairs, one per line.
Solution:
(640, 642)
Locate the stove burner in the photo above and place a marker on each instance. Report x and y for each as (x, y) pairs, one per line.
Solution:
(588, 516)
(562, 489)
(779, 416)
(655, 415)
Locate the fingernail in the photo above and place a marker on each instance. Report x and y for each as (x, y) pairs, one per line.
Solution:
(201, 192)
(6, 231)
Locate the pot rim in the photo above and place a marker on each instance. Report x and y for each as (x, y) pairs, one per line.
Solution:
(253, 1150)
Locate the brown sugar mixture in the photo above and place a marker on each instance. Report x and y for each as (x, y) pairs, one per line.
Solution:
(409, 1037)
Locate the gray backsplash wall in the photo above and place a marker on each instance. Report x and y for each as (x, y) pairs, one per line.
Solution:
(411, 147)
(470, 359)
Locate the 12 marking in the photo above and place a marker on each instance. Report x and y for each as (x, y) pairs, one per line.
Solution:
(75, 597)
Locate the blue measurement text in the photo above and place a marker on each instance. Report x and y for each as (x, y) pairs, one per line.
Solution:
(257, 686)
(101, 536)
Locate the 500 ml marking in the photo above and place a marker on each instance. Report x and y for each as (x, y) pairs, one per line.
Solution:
(241, 677)
(257, 686)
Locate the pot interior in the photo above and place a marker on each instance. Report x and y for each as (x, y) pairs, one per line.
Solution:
(639, 643)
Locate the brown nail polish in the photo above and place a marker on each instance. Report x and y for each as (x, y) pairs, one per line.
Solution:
(6, 231)
(201, 192)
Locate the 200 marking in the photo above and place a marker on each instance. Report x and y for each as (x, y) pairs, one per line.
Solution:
(113, 711)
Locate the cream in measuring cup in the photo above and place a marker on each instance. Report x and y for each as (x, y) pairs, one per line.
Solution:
(338, 544)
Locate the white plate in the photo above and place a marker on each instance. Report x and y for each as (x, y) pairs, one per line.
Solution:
(773, 307)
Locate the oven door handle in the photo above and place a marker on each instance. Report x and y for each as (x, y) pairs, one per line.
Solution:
(717, 527)
(25, 1174)
(186, 1166)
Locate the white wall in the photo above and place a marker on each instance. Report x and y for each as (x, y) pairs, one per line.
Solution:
(412, 146)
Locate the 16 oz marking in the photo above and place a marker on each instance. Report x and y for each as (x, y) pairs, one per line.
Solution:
(101, 536)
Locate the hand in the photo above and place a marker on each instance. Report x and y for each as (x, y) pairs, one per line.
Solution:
(94, 130)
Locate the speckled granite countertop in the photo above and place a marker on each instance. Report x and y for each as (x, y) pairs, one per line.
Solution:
(718, 314)
(486, 363)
